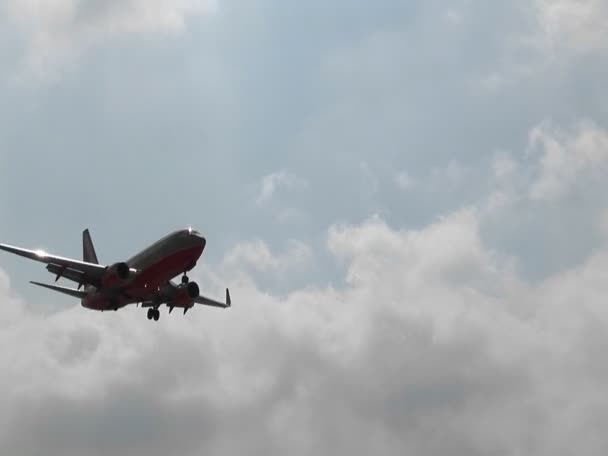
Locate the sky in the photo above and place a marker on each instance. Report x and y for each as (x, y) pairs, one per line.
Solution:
(408, 201)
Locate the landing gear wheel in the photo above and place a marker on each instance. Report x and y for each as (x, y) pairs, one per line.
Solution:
(156, 314)
(185, 279)
(150, 314)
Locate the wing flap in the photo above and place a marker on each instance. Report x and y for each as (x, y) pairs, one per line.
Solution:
(71, 274)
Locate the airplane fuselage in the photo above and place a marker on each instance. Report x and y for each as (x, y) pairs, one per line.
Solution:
(167, 258)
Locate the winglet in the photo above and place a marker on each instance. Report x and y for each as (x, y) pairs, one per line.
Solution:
(228, 300)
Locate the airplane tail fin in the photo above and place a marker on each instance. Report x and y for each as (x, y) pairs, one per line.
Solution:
(88, 250)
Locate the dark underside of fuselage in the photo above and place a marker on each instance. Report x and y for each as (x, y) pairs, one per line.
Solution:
(171, 256)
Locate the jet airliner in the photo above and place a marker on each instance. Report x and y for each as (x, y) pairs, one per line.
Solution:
(145, 278)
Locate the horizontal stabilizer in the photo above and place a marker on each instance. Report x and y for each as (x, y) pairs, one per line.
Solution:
(68, 291)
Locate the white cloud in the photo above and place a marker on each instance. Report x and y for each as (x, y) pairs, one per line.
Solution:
(58, 30)
(434, 346)
(13, 312)
(273, 182)
(573, 25)
(449, 250)
(566, 156)
(559, 32)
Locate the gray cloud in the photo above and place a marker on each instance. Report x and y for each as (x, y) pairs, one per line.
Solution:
(435, 345)
(466, 318)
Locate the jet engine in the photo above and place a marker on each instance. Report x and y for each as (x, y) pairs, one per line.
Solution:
(185, 294)
(116, 275)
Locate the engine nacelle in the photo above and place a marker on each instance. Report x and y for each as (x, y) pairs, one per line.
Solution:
(116, 275)
(185, 294)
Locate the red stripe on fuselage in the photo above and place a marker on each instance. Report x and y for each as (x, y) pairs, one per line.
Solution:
(148, 280)
(164, 270)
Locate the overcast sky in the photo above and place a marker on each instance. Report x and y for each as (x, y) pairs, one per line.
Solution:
(408, 200)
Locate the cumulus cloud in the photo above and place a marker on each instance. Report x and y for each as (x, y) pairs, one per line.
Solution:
(567, 156)
(552, 35)
(432, 341)
(257, 254)
(573, 25)
(56, 30)
(433, 346)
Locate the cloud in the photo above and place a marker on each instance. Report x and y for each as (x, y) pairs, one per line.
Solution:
(573, 25)
(551, 36)
(257, 254)
(428, 338)
(567, 156)
(271, 183)
(55, 31)
(433, 346)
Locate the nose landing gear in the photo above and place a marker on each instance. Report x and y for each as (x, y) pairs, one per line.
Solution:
(185, 278)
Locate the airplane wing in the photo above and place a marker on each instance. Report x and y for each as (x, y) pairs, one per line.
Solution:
(163, 298)
(91, 272)
(211, 302)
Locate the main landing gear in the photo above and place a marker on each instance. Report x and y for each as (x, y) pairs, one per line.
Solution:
(185, 279)
(153, 314)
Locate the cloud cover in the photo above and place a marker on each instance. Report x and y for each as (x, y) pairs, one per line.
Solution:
(433, 345)
(428, 333)
(424, 352)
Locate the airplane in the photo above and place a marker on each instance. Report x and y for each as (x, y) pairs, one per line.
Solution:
(143, 279)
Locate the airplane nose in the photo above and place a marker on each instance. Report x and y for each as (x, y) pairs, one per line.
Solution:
(198, 236)
(200, 239)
